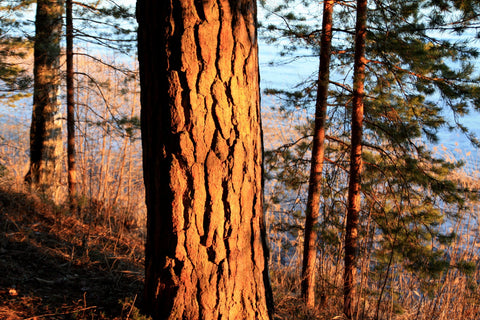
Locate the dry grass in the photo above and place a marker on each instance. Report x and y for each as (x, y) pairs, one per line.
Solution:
(89, 264)
(454, 295)
(382, 293)
(56, 266)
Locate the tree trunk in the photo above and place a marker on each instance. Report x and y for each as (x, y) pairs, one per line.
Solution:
(45, 131)
(354, 196)
(318, 151)
(206, 254)
(72, 180)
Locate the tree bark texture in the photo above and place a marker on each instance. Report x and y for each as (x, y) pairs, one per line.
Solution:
(72, 177)
(318, 152)
(354, 196)
(45, 131)
(206, 253)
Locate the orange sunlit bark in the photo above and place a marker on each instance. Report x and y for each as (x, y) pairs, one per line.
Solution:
(318, 151)
(354, 196)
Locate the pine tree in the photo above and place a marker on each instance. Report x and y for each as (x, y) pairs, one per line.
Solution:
(318, 150)
(105, 24)
(14, 46)
(72, 180)
(354, 196)
(102, 24)
(206, 253)
(412, 75)
(45, 132)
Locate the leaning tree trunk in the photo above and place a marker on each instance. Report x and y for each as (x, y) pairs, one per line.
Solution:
(45, 131)
(206, 255)
(318, 152)
(354, 196)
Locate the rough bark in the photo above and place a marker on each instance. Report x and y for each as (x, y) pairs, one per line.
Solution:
(354, 196)
(318, 151)
(45, 131)
(206, 255)
(72, 180)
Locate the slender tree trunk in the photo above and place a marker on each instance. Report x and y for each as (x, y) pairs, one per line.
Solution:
(72, 175)
(318, 151)
(206, 254)
(45, 131)
(354, 196)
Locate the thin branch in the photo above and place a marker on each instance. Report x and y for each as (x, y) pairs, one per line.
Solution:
(60, 313)
(124, 71)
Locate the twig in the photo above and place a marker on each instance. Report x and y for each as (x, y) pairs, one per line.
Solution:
(61, 313)
(131, 307)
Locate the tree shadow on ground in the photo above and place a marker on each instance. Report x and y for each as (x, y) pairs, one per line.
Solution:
(54, 266)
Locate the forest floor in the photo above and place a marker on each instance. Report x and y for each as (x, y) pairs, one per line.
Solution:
(58, 265)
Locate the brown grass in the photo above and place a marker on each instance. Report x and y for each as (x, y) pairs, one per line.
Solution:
(398, 294)
(56, 266)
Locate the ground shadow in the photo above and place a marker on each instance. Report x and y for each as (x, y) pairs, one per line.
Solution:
(54, 266)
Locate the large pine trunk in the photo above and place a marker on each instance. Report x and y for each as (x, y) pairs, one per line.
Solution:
(354, 196)
(318, 152)
(45, 131)
(206, 255)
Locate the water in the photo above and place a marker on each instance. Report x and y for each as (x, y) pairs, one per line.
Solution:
(286, 76)
(452, 144)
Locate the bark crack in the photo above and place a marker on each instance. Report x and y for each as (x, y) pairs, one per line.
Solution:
(208, 208)
(198, 51)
